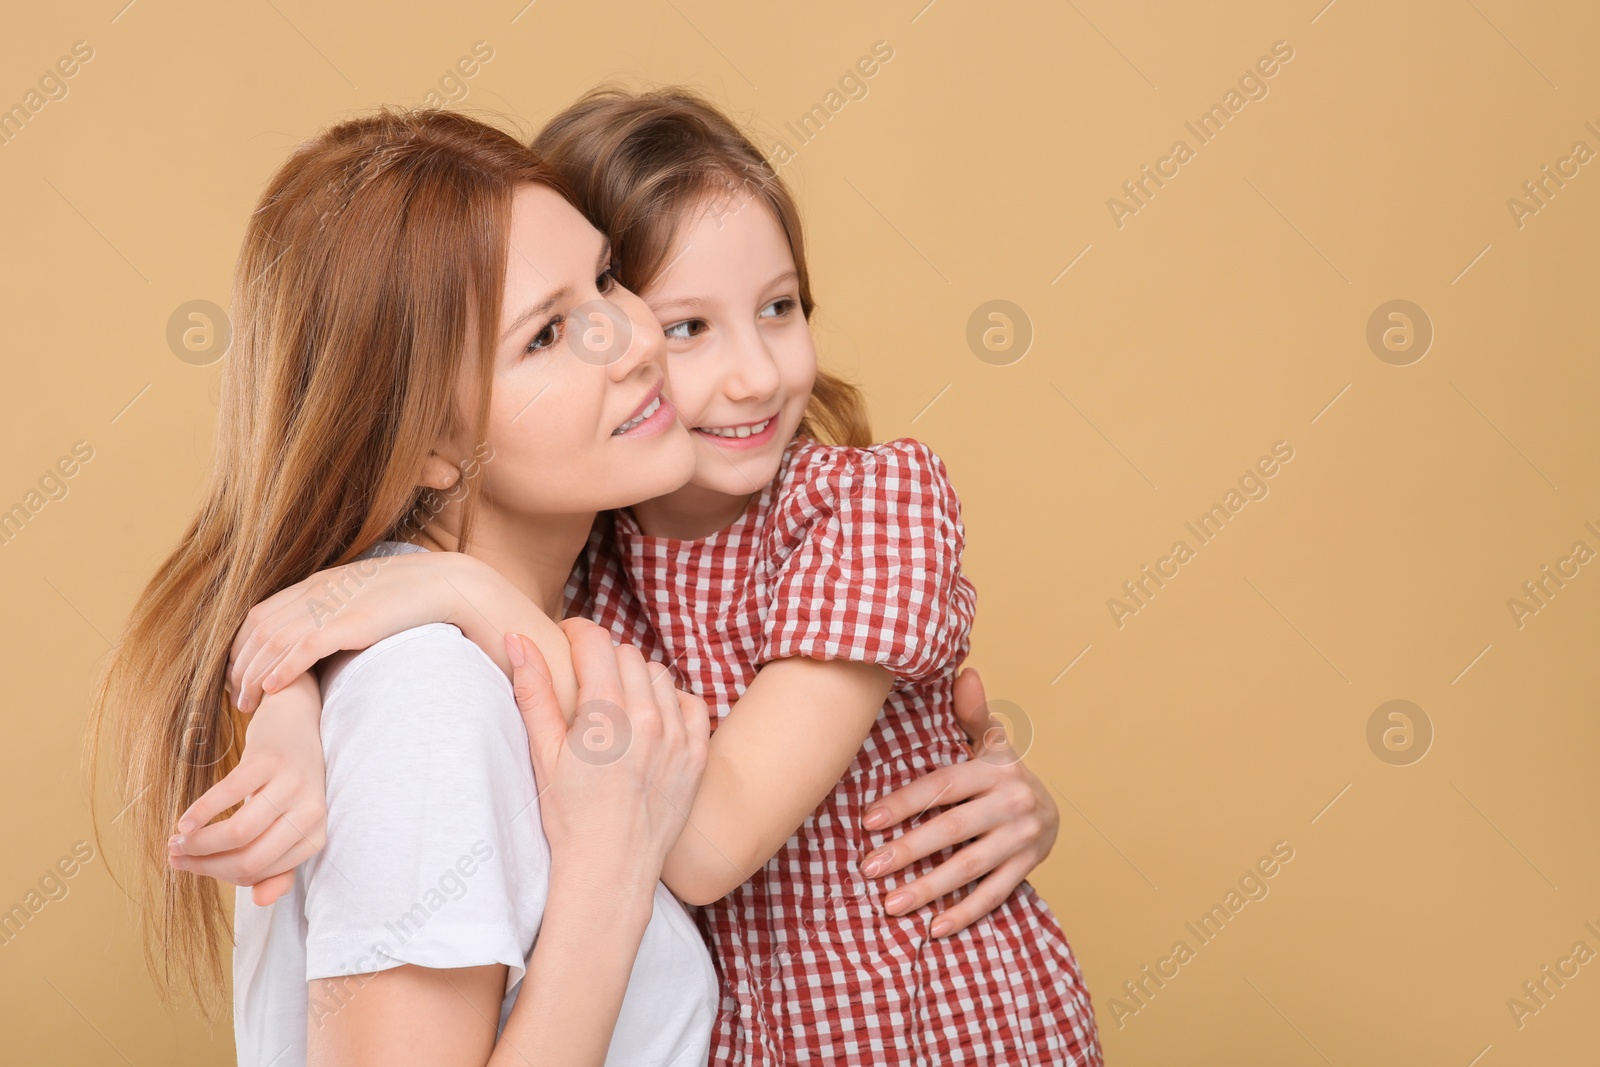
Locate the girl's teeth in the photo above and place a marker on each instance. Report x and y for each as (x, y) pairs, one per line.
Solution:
(736, 431)
(645, 414)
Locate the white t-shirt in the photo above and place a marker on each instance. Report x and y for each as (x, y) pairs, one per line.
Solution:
(435, 857)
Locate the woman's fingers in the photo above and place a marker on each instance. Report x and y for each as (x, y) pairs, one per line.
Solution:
(594, 661)
(638, 692)
(696, 718)
(536, 698)
(946, 785)
(966, 866)
(987, 896)
(972, 712)
(976, 818)
(674, 724)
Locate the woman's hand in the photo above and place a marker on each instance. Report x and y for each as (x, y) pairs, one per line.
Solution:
(349, 607)
(996, 804)
(616, 785)
(279, 781)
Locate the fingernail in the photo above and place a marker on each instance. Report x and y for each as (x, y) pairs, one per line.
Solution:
(175, 844)
(269, 684)
(875, 818)
(942, 926)
(875, 862)
(974, 672)
(186, 825)
(896, 902)
(514, 650)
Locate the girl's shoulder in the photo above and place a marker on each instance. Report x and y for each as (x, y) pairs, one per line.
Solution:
(866, 556)
(820, 480)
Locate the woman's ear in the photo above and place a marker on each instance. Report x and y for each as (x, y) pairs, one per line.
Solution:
(438, 472)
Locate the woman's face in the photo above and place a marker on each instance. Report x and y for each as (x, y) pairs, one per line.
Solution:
(578, 420)
(738, 345)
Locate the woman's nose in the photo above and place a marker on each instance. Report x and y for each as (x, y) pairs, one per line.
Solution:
(637, 339)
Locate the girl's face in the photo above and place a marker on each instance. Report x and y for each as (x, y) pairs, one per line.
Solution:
(578, 420)
(738, 345)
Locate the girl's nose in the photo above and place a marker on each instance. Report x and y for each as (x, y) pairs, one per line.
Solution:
(753, 374)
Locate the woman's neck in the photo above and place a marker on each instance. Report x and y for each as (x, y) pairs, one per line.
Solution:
(534, 555)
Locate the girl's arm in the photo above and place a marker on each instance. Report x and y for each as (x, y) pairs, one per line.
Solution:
(802, 720)
(777, 755)
(609, 827)
(279, 778)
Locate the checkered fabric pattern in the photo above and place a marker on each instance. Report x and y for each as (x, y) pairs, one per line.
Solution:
(849, 554)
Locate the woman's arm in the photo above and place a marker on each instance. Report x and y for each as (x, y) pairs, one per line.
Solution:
(589, 930)
(609, 827)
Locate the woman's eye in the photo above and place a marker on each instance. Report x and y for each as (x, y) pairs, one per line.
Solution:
(683, 331)
(778, 308)
(607, 280)
(547, 337)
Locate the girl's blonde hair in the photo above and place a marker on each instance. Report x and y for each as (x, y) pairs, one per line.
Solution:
(374, 259)
(638, 162)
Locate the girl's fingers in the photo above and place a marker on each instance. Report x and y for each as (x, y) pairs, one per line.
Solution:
(234, 832)
(946, 785)
(238, 784)
(270, 889)
(286, 863)
(989, 895)
(283, 657)
(260, 623)
(247, 865)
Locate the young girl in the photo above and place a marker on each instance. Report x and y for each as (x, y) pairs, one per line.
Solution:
(813, 595)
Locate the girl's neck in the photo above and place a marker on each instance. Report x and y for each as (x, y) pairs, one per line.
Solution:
(690, 513)
(536, 556)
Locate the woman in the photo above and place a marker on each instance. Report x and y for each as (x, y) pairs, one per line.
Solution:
(399, 295)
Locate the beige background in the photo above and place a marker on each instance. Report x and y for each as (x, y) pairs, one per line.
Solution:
(1228, 313)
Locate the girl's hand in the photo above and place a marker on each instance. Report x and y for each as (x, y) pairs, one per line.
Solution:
(349, 607)
(279, 779)
(616, 785)
(996, 804)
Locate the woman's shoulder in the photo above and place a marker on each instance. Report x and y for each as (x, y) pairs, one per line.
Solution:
(415, 672)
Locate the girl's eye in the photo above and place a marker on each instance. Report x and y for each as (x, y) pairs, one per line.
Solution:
(607, 280)
(547, 337)
(778, 308)
(683, 331)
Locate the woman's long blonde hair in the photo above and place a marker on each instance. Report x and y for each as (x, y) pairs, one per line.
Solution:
(638, 162)
(371, 262)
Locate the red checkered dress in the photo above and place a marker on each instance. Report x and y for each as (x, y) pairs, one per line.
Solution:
(849, 554)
